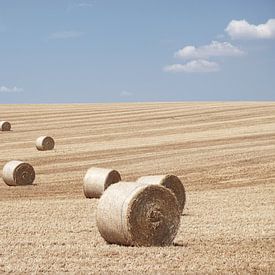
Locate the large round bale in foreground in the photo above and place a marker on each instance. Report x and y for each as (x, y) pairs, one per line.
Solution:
(169, 181)
(44, 143)
(97, 180)
(17, 172)
(130, 213)
(5, 126)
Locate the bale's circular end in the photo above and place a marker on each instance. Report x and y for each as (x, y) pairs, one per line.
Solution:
(18, 173)
(171, 182)
(44, 143)
(97, 180)
(5, 126)
(138, 215)
(153, 217)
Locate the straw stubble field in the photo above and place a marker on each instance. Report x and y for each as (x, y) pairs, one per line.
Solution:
(223, 152)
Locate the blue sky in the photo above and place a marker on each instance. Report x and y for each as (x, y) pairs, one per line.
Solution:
(143, 50)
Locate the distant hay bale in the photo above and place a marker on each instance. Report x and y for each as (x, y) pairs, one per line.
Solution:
(169, 181)
(130, 213)
(97, 180)
(44, 143)
(5, 126)
(17, 172)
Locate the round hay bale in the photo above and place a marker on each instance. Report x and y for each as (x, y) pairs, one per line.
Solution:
(169, 181)
(130, 213)
(44, 143)
(17, 172)
(97, 180)
(5, 126)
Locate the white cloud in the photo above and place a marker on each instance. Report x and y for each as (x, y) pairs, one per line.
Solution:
(4, 89)
(216, 48)
(65, 35)
(238, 29)
(194, 66)
(85, 5)
(126, 94)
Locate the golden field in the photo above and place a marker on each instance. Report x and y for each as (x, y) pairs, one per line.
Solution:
(224, 153)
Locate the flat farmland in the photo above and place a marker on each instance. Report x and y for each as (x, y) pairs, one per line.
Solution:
(224, 153)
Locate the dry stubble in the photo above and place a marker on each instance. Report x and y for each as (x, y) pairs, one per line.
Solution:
(223, 152)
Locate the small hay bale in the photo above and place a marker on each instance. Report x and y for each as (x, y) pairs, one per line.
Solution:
(169, 181)
(44, 143)
(97, 180)
(17, 172)
(5, 126)
(134, 214)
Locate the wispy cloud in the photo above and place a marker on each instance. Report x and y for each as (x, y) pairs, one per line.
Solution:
(125, 93)
(65, 35)
(194, 66)
(85, 4)
(4, 89)
(241, 29)
(215, 48)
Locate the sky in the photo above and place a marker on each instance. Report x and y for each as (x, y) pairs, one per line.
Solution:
(86, 51)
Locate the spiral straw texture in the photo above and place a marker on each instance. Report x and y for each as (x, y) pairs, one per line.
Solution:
(18, 173)
(5, 126)
(130, 213)
(169, 181)
(44, 143)
(97, 180)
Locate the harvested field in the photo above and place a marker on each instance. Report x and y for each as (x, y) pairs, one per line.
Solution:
(224, 153)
